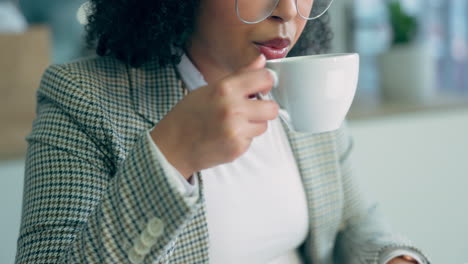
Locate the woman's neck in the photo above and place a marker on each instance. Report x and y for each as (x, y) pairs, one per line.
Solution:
(207, 66)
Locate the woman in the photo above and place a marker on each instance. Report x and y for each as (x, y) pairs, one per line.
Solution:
(157, 152)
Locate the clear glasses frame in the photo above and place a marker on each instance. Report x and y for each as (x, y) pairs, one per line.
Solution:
(273, 9)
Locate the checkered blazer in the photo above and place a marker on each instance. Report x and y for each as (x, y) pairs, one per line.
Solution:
(93, 186)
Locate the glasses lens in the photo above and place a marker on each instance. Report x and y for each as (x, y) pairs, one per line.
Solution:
(255, 10)
(311, 9)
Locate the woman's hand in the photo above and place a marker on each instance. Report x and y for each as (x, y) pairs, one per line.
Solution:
(216, 124)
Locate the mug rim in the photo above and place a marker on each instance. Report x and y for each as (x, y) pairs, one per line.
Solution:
(314, 57)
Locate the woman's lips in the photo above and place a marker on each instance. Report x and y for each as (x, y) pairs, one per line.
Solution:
(274, 49)
(272, 53)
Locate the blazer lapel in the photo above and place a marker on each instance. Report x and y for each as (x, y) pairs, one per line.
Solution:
(155, 90)
(318, 163)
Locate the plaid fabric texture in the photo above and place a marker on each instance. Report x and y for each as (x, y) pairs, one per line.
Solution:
(92, 184)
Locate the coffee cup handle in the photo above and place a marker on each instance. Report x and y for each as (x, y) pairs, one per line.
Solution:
(260, 96)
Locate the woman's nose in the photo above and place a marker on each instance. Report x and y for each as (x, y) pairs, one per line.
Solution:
(285, 10)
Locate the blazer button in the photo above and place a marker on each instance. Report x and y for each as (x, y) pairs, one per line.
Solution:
(146, 239)
(134, 257)
(155, 227)
(141, 248)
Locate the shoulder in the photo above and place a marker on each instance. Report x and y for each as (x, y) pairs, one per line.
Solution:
(86, 88)
(85, 77)
(95, 94)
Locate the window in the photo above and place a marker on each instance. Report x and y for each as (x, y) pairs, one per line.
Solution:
(443, 24)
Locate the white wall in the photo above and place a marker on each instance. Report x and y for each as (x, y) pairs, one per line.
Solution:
(416, 166)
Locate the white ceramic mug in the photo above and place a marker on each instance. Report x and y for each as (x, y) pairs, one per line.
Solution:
(316, 91)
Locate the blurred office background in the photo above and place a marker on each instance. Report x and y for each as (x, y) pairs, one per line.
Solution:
(409, 119)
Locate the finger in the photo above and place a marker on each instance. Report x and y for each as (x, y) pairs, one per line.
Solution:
(256, 129)
(251, 82)
(261, 110)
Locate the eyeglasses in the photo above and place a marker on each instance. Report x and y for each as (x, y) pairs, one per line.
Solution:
(255, 11)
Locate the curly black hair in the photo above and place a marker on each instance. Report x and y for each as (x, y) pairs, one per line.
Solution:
(137, 31)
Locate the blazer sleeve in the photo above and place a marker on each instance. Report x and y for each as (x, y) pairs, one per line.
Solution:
(79, 205)
(187, 188)
(364, 235)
